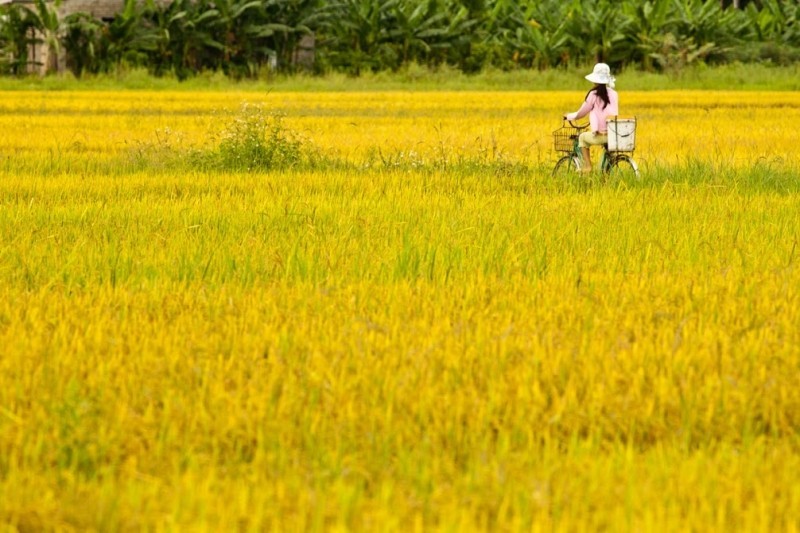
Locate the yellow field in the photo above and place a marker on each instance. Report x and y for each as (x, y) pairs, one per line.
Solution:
(732, 128)
(425, 331)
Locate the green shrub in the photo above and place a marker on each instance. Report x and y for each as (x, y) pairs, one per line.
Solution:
(258, 140)
(769, 53)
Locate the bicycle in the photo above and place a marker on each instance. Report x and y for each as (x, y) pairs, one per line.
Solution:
(617, 158)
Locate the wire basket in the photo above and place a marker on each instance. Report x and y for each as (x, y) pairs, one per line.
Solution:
(564, 138)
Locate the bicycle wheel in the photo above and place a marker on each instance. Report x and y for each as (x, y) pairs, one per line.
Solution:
(566, 166)
(623, 167)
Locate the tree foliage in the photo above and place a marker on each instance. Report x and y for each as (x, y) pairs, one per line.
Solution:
(244, 37)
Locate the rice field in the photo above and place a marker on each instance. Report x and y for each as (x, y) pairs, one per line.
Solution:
(417, 328)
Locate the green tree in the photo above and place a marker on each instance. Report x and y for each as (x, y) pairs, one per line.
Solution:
(81, 40)
(130, 37)
(17, 27)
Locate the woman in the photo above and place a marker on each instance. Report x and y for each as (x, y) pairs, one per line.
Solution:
(601, 102)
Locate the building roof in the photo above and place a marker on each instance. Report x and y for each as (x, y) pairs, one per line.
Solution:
(97, 8)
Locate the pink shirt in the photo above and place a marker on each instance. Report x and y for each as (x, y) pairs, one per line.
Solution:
(597, 114)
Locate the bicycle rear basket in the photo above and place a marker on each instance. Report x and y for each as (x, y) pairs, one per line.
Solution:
(564, 138)
(621, 134)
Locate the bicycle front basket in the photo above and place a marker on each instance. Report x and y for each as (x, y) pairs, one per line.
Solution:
(564, 138)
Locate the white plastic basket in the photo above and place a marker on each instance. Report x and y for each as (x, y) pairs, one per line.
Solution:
(621, 134)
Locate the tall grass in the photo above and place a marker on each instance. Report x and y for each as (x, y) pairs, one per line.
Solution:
(733, 76)
(454, 340)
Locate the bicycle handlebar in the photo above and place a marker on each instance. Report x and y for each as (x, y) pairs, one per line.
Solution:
(576, 126)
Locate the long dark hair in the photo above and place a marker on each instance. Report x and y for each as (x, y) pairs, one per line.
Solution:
(602, 91)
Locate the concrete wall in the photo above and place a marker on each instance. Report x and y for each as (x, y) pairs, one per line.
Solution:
(101, 9)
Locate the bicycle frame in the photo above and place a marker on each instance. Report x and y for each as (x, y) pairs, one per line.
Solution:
(574, 158)
(605, 162)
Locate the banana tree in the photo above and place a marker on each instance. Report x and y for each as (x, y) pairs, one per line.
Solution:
(17, 28)
(296, 18)
(710, 26)
(80, 39)
(355, 35)
(456, 42)
(648, 22)
(415, 27)
(238, 28)
(130, 37)
(184, 30)
(524, 34)
(597, 31)
(777, 21)
(499, 32)
(44, 16)
(542, 40)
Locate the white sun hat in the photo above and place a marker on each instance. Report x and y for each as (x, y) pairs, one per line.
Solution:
(601, 74)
